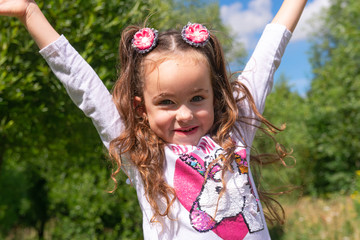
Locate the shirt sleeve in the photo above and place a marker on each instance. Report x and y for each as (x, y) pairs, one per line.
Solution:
(84, 87)
(258, 75)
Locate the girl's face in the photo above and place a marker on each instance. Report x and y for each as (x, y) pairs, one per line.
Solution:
(179, 101)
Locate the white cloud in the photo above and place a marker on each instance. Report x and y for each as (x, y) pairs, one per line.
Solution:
(247, 23)
(307, 24)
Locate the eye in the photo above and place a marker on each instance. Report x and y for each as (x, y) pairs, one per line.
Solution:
(166, 102)
(197, 99)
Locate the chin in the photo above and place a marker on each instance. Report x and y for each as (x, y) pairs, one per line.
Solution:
(192, 141)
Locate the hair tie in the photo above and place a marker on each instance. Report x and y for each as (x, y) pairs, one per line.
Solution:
(145, 40)
(195, 34)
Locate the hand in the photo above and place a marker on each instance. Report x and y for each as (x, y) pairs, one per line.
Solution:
(31, 16)
(21, 9)
(289, 13)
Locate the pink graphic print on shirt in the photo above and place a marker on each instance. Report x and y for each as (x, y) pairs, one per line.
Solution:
(233, 215)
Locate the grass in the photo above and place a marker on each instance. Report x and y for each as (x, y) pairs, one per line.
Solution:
(308, 218)
(312, 218)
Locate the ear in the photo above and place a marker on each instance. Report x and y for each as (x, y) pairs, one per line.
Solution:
(139, 106)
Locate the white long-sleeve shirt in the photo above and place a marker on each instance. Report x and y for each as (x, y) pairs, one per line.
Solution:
(198, 213)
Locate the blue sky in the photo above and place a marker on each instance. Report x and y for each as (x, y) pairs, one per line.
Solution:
(248, 18)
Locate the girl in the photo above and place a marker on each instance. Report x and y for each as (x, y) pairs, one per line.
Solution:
(174, 123)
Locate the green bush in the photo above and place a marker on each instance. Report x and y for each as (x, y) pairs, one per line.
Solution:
(334, 98)
(53, 168)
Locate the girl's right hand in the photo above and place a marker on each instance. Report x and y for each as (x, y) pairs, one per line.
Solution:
(20, 9)
(31, 16)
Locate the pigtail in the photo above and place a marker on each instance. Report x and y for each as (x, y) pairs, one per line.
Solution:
(275, 212)
(122, 94)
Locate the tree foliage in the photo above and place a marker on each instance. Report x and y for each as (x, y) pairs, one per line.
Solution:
(334, 98)
(53, 167)
(322, 127)
(288, 109)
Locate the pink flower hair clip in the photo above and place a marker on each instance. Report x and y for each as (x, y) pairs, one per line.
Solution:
(195, 34)
(145, 40)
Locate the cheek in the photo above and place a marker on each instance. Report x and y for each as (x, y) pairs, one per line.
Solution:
(207, 117)
(159, 120)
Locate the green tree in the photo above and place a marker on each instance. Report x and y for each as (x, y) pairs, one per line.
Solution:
(334, 97)
(54, 173)
(287, 108)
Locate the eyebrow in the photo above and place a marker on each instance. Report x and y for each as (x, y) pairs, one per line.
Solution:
(166, 94)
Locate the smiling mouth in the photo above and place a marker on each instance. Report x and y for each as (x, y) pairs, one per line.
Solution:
(189, 130)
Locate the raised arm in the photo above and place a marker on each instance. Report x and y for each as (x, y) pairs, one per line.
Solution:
(83, 85)
(289, 13)
(31, 16)
(259, 72)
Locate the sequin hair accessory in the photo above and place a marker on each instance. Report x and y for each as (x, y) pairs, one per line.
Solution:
(195, 34)
(145, 40)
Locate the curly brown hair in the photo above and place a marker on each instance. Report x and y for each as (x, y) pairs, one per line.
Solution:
(143, 147)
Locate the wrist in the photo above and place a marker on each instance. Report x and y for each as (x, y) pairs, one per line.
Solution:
(38, 26)
(32, 9)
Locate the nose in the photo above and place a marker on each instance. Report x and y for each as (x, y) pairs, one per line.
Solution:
(184, 113)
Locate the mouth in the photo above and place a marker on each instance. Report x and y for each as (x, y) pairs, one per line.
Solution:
(186, 131)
